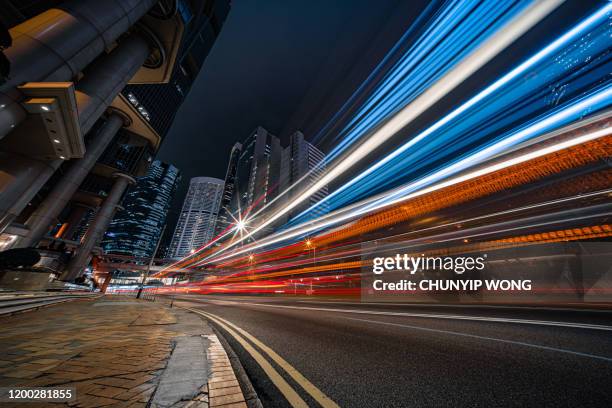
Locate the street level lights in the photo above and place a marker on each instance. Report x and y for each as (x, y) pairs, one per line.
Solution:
(310, 245)
(251, 259)
(146, 274)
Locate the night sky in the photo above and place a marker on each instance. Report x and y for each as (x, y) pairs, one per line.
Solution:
(285, 65)
(288, 65)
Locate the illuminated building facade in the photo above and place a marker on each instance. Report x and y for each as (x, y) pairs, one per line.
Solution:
(303, 163)
(225, 219)
(260, 169)
(136, 230)
(258, 172)
(196, 224)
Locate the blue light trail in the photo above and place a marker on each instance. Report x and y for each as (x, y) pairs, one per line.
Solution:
(576, 62)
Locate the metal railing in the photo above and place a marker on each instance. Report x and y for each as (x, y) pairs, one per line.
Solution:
(16, 302)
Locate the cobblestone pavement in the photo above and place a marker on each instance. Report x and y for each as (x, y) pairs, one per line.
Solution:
(113, 350)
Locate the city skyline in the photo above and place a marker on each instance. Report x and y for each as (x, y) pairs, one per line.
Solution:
(136, 229)
(292, 204)
(299, 162)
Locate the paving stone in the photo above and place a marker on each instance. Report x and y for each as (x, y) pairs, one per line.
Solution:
(104, 391)
(93, 401)
(143, 396)
(139, 380)
(48, 361)
(235, 405)
(113, 382)
(21, 373)
(218, 392)
(133, 376)
(226, 399)
(196, 404)
(136, 405)
(131, 393)
(74, 368)
(222, 384)
(222, 378)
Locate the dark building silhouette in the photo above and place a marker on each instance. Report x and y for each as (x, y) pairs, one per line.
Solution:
(302, 165)
(224, 218)
(258, 172)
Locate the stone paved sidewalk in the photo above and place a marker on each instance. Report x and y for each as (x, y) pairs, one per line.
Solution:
(115, 351)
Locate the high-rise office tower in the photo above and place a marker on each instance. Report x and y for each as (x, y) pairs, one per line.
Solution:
(136, 230)
(196, 224)
(302, 163)
(257, 173)
(86, 105)
(261, 169)
(225, 219)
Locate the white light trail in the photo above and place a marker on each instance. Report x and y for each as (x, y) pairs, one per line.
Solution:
(496, 43)
(366, 205)
(381, 246)
(513, 74)
(385, 199)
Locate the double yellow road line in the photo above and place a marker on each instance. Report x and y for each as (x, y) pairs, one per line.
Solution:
(247, 341)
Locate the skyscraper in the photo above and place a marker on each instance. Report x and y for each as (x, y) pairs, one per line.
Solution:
(136, 229)
(196, 224)
(258, 172)
(302, 163)
(224, 219)
(260, 169)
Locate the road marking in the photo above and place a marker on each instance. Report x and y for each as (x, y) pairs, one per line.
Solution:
(475, 336)
(430, 316)
(461, 306)
(289, 393)
(309, 387)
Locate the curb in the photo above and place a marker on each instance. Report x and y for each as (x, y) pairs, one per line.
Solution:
(220, 388)
(250, 395)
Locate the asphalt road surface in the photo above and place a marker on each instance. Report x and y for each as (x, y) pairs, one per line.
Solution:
(348, 354)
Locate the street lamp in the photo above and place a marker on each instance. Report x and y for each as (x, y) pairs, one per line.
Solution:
(251, 271)
(146, 274)
(314, 258)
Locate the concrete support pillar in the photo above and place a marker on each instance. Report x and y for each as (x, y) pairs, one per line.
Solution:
(40, 221)
(77, 213)
(97, 228)
(22, 178)
(103, 81)
(59, 43)
(105, 282)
